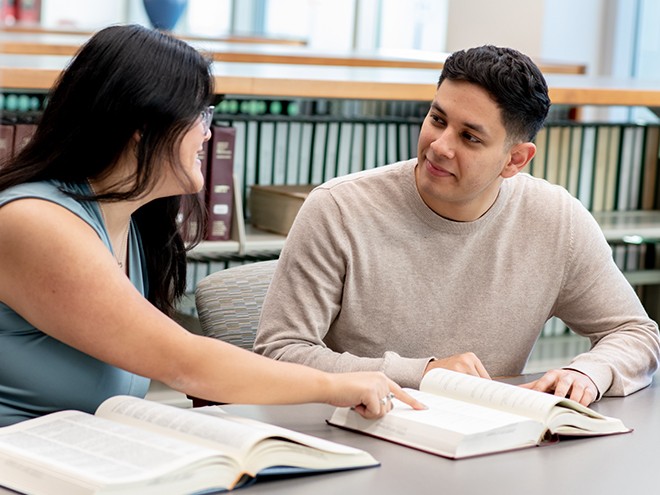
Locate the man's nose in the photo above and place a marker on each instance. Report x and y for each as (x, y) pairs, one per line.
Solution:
(444, 145)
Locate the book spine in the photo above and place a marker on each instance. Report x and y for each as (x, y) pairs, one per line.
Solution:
(219, 198)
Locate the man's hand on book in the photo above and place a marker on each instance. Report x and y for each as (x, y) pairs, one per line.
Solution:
(467, 363)
(566, 383)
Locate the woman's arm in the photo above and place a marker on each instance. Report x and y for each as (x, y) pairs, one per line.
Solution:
(58, 275)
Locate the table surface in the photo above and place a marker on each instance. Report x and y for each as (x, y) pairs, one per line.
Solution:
(604, 465)
(615, 465)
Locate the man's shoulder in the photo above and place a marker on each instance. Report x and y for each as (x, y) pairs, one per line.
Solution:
(545, 199)
(530, 186)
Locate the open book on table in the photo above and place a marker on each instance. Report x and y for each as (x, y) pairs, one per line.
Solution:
(133, 445)
(469, 416)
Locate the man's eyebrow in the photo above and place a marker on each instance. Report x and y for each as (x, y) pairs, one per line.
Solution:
(475, 127)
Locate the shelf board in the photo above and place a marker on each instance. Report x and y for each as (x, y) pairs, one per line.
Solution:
(254, 241)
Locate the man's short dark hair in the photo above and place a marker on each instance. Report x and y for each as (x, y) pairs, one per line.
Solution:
(513, 81)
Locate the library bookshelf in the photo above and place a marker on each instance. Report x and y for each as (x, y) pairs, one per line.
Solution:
(300, 126)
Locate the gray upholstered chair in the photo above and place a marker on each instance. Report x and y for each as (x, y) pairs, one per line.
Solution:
(229, 302)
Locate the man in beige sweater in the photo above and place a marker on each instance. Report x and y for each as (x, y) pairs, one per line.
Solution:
(455, 259)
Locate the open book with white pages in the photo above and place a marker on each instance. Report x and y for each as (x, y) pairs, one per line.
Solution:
(469, 416)
(133, 445)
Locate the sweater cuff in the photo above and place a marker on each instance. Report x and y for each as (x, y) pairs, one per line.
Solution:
(407, 372)
(599, 374)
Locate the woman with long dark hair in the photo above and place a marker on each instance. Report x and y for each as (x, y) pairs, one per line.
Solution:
(92, 252)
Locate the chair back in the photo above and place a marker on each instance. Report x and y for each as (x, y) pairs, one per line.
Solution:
(229, 302)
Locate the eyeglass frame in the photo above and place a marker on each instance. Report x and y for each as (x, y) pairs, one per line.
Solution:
(206, 116)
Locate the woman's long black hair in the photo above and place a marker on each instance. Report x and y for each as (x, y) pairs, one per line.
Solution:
(127, 81)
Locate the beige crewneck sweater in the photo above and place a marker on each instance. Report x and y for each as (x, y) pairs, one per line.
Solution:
(371, 279)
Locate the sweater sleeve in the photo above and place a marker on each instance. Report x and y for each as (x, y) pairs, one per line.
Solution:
(598, 302)
(305, 296)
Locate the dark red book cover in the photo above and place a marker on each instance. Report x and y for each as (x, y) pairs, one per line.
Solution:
(6, 142)
(22, 135)
(219, 183)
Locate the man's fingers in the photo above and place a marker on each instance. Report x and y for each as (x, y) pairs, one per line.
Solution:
(562, 386)
(481, 370)
(582, 394)
(566, 383)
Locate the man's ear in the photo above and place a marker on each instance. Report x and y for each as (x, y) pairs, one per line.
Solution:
(520, 155)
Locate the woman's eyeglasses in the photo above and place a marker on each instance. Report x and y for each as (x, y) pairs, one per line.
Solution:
(207, 118)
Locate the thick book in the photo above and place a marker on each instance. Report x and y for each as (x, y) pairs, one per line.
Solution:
(219, 183)
(469, 416)
(133, 445)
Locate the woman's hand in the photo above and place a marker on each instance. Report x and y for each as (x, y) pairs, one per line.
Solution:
(369, 393)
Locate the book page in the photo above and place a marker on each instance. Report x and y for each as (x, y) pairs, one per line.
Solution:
(268, 430)
(461, 417)
(503, 396)
(565, 422)
(210, 426)
(254, 445)
(102, 452)
(212, 432)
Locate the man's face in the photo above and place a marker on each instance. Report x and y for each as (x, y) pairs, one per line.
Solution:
(463, 153)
